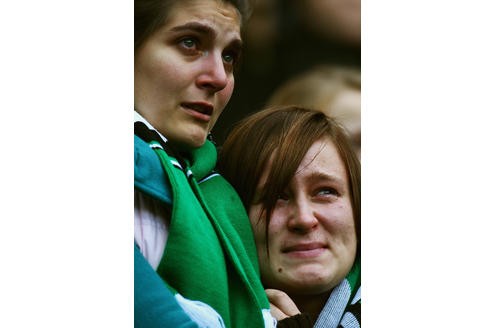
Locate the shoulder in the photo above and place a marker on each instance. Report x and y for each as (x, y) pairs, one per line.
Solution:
(149, 176)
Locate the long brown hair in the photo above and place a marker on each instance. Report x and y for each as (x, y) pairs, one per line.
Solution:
(283, 135)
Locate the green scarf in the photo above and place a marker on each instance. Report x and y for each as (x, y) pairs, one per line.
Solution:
(210, 254)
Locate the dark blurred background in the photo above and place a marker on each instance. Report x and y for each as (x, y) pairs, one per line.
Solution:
(284, 38)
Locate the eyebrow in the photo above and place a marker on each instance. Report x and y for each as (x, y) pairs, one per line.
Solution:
(317, 176)
(195, 26)
(206, 30)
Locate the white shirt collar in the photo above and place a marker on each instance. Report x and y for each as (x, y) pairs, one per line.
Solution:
(139, 118)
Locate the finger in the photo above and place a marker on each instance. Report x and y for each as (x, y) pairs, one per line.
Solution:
(276, 313)
(282, 301)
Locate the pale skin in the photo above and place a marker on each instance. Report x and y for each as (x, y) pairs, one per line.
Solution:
(184, 71)
(311, 235)
(281, 305)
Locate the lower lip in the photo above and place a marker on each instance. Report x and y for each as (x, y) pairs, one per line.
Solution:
(198, 115)
(310, 253)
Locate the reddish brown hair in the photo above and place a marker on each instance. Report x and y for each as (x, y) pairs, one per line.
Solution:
(283, 135)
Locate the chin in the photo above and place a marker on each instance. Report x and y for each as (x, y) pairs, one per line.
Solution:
(301, 283)
(193, 142)
(306, 287)
(314, 281)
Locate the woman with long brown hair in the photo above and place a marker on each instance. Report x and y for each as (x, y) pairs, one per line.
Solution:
(299, 179)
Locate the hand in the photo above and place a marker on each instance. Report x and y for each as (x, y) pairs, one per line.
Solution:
(281, 305)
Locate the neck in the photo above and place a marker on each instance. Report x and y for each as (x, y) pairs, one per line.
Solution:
(311, 304)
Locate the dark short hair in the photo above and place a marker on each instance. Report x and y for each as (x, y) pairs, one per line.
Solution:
(149, 15)
(283, 134)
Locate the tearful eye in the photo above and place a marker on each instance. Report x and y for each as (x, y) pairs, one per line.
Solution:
(230, 57)
(327, 192)
(188, 43)
(283, 196)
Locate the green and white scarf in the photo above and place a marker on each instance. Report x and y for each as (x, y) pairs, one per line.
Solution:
(343, 307)
(210, 254)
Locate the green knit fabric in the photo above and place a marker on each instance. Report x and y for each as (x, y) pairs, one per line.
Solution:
(354, 277)
(210, 254)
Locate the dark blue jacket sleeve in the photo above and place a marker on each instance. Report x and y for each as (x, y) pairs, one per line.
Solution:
(154, 303)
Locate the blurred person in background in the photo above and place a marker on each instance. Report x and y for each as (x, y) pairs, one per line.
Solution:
(334, 90)
(285, 38)
(338, 20)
